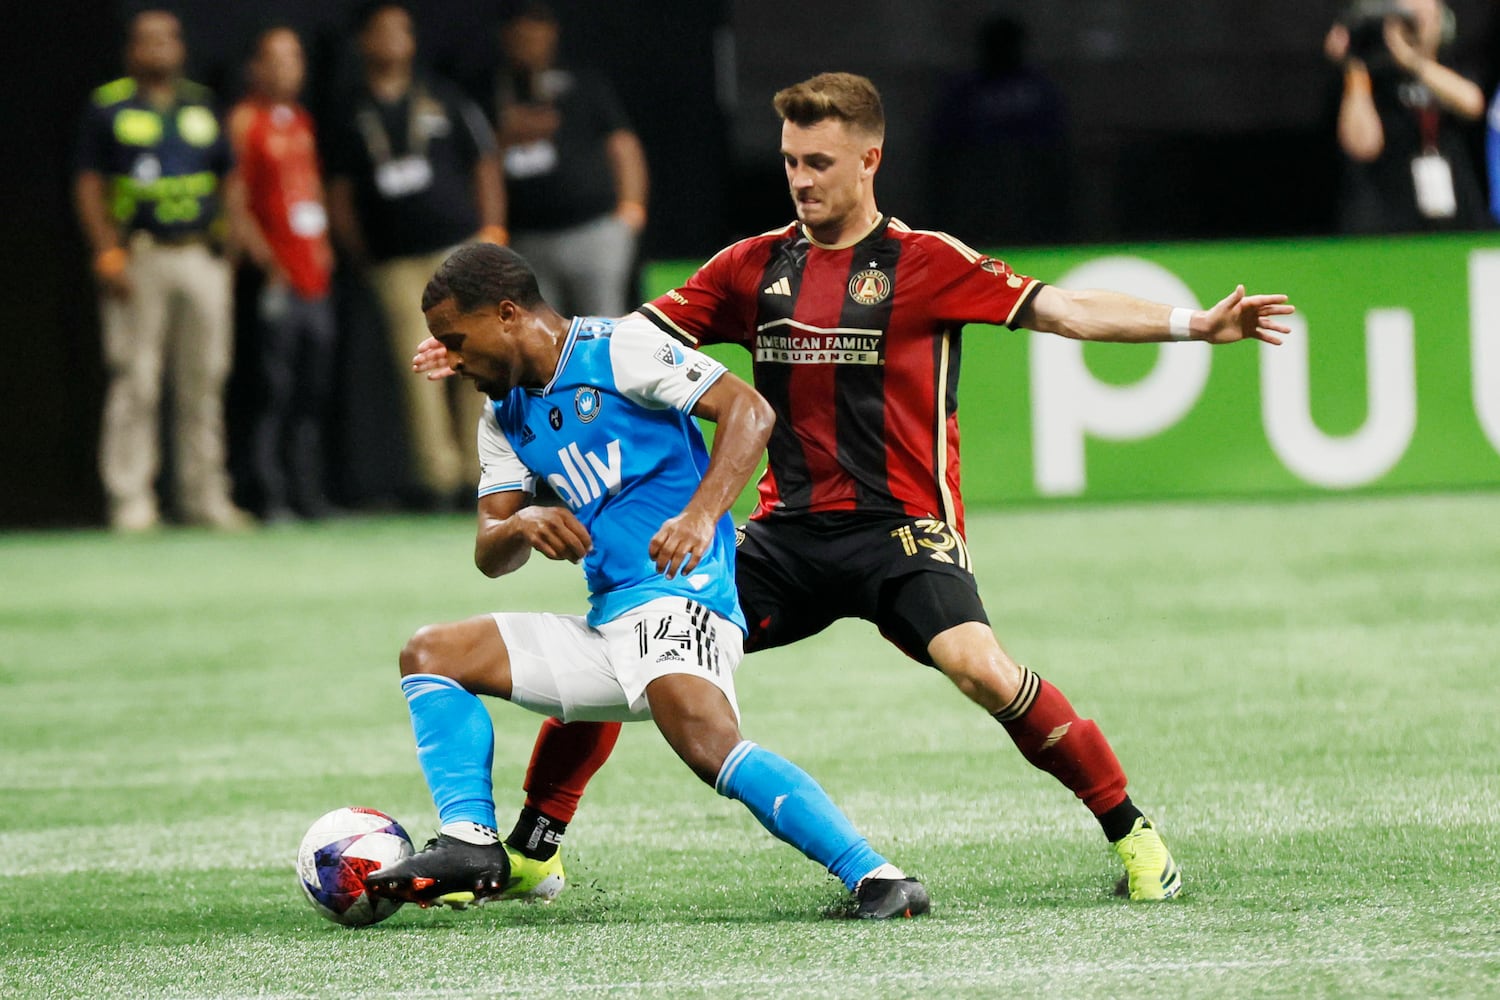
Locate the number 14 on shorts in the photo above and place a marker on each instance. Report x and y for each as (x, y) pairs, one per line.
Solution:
(688, 638)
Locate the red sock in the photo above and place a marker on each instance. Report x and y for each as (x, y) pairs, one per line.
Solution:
(1053, 738)
(563, 760)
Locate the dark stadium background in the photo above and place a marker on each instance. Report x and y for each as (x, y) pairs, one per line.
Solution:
(1189, 120)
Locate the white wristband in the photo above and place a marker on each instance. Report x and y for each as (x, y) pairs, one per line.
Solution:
(1179, 324)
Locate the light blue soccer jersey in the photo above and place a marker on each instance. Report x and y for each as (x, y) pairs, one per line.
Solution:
(611, 434)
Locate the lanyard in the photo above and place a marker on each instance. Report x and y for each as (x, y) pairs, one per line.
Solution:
(1427, 121)
(378, 141)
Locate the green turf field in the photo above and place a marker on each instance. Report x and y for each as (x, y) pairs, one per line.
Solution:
(1305, 695)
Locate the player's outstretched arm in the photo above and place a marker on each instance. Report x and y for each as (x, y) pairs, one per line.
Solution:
(743, 422)
(1238, 316)
(509, 529)
(1120, 318)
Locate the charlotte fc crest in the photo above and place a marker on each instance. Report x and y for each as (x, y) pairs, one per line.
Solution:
(870, 287)
(586, 403)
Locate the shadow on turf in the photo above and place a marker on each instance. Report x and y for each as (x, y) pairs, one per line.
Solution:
(592, 905)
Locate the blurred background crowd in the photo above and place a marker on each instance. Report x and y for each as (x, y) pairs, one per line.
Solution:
(220, 216)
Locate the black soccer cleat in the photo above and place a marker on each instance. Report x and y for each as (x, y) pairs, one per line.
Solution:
(889, 899)
(448, 871)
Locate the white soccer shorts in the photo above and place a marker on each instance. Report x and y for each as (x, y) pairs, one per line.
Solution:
(562, 667)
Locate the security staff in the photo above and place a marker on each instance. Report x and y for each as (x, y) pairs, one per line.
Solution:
(151, 169)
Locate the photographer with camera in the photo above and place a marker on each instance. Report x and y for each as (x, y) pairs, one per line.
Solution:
(1407, 167)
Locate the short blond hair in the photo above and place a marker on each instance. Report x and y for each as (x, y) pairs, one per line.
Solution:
(848, 97)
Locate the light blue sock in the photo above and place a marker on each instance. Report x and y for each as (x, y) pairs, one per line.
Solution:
(455, 747)
(794, 807)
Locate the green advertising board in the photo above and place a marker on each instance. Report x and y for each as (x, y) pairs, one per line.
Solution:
(1391, 379)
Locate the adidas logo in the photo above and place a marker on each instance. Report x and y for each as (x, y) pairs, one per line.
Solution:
(1055, 737)
(781, 286)
(670, 654)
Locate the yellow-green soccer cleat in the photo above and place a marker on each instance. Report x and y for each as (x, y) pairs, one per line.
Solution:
(1150, 872)
(534, 881)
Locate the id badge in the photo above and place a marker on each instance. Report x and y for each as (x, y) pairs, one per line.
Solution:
(1433, 178)
(308, 219)
(275, 302)
(530, 160)
(404, 176)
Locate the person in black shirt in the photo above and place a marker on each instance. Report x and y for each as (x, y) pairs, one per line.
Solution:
(575, 174)
(1407, 167)
(413, 172)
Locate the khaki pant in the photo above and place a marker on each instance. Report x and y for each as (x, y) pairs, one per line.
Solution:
(177, 318)
(442, 418)
(584, 270)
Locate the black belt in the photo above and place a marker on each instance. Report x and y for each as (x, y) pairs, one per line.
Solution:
(174, 239)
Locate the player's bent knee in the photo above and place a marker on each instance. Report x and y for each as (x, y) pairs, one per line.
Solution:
(470, 652)
(422, 653)
(988, 684)
(972, 659)
(976, 690)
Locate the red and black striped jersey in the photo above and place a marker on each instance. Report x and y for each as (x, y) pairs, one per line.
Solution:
(856, 347)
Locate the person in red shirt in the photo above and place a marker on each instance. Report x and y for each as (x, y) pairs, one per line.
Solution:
(276, 149)
(854, 321)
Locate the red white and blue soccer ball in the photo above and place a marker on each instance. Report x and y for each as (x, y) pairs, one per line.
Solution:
(339, 852)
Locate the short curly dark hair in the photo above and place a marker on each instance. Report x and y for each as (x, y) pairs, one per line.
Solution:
(482, 274)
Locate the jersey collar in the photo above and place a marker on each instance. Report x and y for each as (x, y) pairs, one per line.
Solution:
(567, 349)
(880, 220)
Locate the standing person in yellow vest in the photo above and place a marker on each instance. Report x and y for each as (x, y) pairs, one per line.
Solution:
(151, 175)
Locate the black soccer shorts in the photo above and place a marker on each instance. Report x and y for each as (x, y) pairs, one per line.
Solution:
(909, 576)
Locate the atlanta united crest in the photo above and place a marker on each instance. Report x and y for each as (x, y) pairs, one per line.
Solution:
(586, 403)
(869, 287)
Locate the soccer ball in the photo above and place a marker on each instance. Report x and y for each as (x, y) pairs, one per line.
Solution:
(339, 851)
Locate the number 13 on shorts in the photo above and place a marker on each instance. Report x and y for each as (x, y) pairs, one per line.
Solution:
(933, 538)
